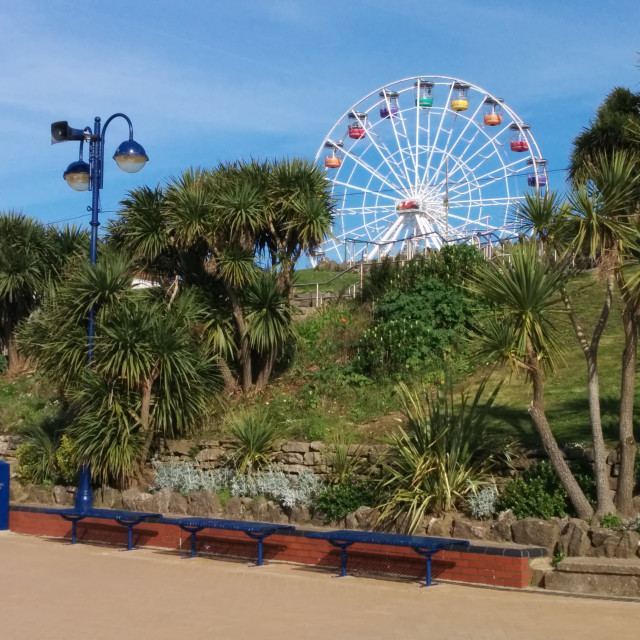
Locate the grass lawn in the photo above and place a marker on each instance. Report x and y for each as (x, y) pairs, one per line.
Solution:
(330, 281)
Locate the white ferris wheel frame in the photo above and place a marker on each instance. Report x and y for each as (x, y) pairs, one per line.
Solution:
(404, 172)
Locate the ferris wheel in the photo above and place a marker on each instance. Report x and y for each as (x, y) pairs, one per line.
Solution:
(425, 161)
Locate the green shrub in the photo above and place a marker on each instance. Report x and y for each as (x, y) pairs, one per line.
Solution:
(338, 500)
(3, 363)
(538, 493)
(67, 460)
(611, 521)
(37, 457)
(413, 330)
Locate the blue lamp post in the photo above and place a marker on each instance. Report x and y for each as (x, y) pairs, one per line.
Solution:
(82, 176)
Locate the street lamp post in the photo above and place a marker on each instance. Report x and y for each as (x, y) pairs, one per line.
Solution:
(82, 176)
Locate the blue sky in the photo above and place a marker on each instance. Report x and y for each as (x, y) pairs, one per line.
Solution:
(205, 81)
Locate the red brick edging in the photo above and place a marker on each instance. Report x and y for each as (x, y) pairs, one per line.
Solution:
(478, 565)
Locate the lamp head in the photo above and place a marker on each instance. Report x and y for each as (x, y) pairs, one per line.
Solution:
(130, 156)
(77, 175)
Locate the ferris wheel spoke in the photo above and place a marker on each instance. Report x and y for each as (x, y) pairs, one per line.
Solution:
(425, 178)
(404, 150)
(385, 155)
(448, 150)
(491, 145)
(372, 171)
(401, 150)
(356, 188)
(490, 177)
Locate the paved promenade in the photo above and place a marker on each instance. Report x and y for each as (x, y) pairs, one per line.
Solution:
(55, 591)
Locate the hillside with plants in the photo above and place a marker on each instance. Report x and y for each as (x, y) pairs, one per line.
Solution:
(455, 362)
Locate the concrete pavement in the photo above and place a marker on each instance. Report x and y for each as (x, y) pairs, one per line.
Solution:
(51, 590)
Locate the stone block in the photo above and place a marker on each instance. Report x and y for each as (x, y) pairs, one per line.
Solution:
(470, 530)
(299, 515)
(628, 545)
(575, 540)
(440, 527)
(605, 577)
(604, 542)
(317, 445)
(178, 504)
(295, 447)
(290, 458)
(204, 503)
(64, 496)
(39, 495)
(260, 508)
(209, 455)
(538, 533)
(180, 447)
(276, 514)
(234, 508)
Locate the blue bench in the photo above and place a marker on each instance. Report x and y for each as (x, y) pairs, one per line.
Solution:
(424, 545)
(255, 530)
(128, 519)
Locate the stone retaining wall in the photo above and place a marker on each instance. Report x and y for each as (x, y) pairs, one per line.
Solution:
(292, 457)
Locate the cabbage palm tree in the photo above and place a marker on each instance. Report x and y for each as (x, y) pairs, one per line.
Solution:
(541, 217)
(221, 231)
(25, 268)
(597, 223)
(524, 289)
(151, 373)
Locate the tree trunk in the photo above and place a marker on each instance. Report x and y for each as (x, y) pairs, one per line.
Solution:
(265, 373)
(538, 414)
(145, 413)
(230, 383)
(244, 353)
(627, 443)
(15, 362)
(601, 470)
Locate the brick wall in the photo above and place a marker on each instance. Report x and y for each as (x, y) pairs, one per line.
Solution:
(499, 566)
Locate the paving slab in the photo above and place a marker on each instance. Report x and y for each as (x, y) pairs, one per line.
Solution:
(52, 590)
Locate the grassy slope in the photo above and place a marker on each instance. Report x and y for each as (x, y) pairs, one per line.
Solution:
(330, 281)
(317, 396)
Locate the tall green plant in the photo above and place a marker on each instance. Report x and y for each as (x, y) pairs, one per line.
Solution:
(256, 434)
(441, 454)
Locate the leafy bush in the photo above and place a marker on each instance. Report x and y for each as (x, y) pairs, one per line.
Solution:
(443, 454)
(413, 330)
(451, 264)
(287, 490)
(611, 521)
(67, 460)
(483, 505)
(538, 493)
(37, 457)
(338, 500)
(3, 363)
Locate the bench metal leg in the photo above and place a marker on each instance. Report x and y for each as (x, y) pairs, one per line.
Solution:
(129, 524)
(259, 537)
(427, 553)
(343, 546)
(74, 522)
